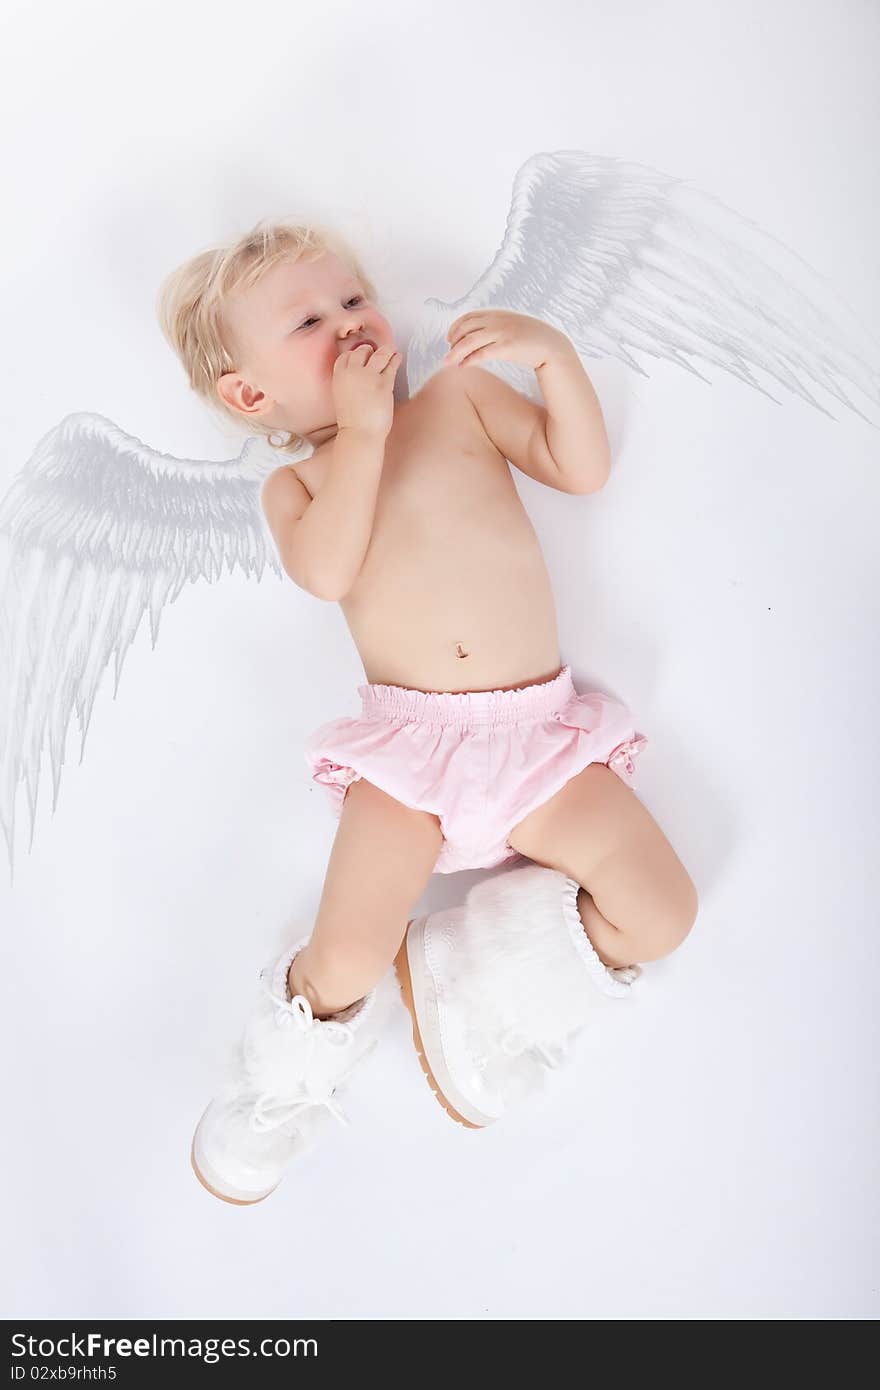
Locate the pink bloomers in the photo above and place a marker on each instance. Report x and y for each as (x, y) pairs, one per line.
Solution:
(480, 760)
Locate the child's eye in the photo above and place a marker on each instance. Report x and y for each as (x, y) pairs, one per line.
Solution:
(354, 300)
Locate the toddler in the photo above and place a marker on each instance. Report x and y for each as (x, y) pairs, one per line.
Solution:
(472, 748)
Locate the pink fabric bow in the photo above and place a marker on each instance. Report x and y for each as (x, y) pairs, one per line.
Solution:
(626, 751)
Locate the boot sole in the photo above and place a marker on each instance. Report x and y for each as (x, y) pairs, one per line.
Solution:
(403, 967)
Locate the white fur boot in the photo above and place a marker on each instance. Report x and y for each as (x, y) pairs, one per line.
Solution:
(498, 987)
(281, 1083)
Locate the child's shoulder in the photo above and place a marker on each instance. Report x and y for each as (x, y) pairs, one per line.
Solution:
(283, 495)
(446, 391)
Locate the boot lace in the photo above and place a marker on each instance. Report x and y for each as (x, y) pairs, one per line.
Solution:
(272, 1112)
(514, 1044)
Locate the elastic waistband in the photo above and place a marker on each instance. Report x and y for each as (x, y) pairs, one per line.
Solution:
(468, 708)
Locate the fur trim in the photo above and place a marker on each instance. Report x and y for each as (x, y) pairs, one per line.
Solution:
(274, 1053)
(526, 974)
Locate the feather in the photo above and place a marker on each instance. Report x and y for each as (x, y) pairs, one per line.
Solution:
(624, 259)
(100, 529)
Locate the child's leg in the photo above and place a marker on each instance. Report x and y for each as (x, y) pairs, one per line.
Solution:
(382, 858)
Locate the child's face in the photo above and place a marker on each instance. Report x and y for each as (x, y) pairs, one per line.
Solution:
(287, 332)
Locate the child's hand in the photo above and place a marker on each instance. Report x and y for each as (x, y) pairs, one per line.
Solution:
(488, 333)
(363, 388)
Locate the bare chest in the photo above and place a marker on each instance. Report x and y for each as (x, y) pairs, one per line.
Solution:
(453, 592)
(445, 491)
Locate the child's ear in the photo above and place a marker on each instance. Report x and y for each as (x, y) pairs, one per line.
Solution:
(240, 395)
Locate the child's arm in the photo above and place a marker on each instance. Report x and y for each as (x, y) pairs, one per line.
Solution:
(522, 431)
(284, 500)
(575, 433)
(322, 543)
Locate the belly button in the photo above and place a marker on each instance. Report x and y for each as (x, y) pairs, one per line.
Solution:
(458, 650)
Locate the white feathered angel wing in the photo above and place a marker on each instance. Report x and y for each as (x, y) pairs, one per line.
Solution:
(623, 258)
(100, 529)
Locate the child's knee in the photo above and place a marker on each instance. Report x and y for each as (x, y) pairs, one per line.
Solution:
(669, 921)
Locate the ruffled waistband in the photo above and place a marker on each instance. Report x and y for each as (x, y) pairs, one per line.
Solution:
(469, 708)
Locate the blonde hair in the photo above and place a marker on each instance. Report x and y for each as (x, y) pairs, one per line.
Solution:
(191, 299)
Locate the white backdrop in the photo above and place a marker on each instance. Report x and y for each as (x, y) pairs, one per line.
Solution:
(712, 1154)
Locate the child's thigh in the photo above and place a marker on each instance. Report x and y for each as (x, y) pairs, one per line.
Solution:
(382, 858)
